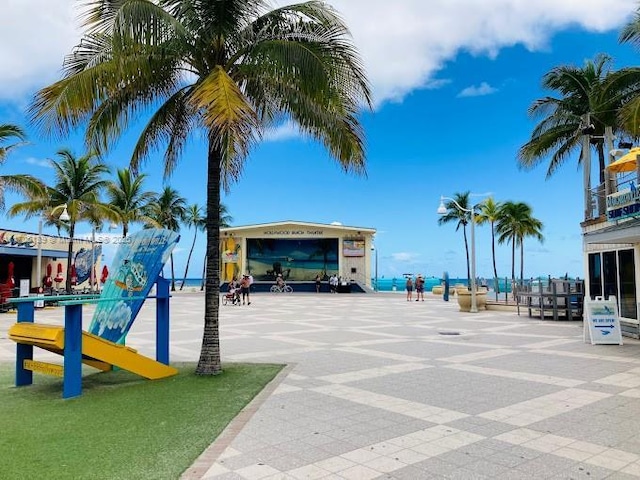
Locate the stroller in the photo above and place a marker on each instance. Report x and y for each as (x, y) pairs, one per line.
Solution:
(232, 297)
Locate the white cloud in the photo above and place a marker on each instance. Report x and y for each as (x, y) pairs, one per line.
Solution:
(284, 131)
(478, 91)
(405, 257)
(403, 45)
(39, 162)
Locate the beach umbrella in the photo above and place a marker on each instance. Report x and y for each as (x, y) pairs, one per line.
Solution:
(105, 274)
(59, 278)
(48, 281)
(74, 274)
(626, 163)
(10, 280)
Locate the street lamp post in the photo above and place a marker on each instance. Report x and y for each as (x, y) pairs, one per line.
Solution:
(442, 210)
(39, 257)
(64, 216)
(376, 266)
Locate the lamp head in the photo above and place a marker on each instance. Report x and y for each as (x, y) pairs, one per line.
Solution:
(442, 210)
(64, 216)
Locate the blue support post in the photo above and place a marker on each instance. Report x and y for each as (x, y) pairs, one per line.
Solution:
(72, 382)
(162, 320)
(24, 352)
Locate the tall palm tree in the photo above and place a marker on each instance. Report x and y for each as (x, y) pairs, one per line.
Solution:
(128, 196)
(26, 184)
(630, 111)
(167, 211)
(228, 68)
(225, 222)
(490, 213)
(78, 185)
(594, 89)
(515, 223)
(193, 218)
(461, 216)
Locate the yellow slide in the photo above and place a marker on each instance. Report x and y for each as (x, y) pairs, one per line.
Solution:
(96, 351)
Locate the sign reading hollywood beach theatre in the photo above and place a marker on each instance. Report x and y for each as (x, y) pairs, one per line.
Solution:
(602, 323)
(623, 204)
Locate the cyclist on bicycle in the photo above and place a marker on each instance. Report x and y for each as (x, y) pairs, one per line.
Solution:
(280, 281)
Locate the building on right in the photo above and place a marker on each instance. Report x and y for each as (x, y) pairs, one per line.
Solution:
(611, 236)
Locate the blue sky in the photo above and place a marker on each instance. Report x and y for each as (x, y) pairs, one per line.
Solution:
(450, 115)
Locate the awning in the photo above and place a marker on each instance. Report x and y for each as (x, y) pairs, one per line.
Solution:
(32, 252)
(624, 232)
(627, 163)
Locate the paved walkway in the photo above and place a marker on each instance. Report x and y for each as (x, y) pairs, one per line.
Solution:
(378, 387)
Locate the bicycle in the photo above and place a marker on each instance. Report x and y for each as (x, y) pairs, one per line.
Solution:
(281, 289)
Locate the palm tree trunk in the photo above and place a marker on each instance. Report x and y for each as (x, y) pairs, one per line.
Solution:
(493, 253)
(204, 272)
(209, 362)
(522, 260)
(72, 230)
(173, 276)
(513, 258)
(466, 248)
(186, 268)
(125, 229)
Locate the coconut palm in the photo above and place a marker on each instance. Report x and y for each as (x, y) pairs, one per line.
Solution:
(225, 222)
(78, 184)
(489, 212)
(630, 112)
(26, 184)
(167, 211)
(227, 68)
(127, 195)
(459, 214)
(515, 223)
(193, 217)
(596, 90)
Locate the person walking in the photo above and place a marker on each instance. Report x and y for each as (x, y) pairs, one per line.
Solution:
(409, 287)
(419, 288)
(245, 285)
(318, 283)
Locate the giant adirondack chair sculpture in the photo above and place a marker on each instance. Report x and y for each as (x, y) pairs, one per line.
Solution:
(136, 267)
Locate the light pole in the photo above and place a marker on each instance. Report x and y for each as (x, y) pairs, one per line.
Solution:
(373, 248)
(442, 210)
(39, 257)
(64, 216)
(93, 258)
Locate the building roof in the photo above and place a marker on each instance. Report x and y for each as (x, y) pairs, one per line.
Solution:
(336, 226)
(623, 232)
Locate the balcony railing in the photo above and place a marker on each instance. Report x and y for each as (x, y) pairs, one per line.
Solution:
(596, 198)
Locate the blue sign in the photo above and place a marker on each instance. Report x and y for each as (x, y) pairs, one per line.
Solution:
(135, 267)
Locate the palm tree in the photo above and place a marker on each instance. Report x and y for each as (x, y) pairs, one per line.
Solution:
(593, 89)
(192, 218)
(490, 213)
(515, 223)
(167, 211)
(126, 194)
(78, 185)
(22, 183)
(225, 222)
(228, 68)
(630, 111)
(460, 215)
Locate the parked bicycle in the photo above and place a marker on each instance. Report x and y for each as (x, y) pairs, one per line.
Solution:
(281, 289)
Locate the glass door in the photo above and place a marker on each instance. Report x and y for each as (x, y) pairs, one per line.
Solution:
(626, 268)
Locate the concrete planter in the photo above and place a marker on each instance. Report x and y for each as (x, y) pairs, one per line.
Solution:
(464, 299)
(437, 290)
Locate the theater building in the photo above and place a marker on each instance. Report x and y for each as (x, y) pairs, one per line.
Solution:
(299, 251)
(19, 257)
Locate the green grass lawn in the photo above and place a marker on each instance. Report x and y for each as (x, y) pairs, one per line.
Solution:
(122, 427)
